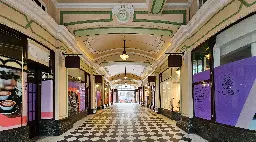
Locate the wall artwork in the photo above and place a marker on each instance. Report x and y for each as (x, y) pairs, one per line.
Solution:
(73, 98)
(10, 97)
(233, 84)
(82, 97)
(76, 97)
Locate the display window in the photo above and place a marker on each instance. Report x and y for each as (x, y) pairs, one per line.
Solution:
(170, 90)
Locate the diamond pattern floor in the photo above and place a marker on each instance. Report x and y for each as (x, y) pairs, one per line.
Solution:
(125, 123)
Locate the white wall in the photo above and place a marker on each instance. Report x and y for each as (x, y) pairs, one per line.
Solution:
(237, 36)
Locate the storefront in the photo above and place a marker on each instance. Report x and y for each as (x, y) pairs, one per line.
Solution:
(107, 94)
(224, 83)
(99, 91)
(152, 91)
(27, 85)
(170, 93)
(78, 101)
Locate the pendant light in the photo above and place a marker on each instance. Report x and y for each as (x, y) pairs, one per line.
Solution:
(125, 77)
(124, 56)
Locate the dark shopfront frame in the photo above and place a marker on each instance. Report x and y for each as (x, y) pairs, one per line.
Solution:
(210, 129)
(23, 131)
(210, 43)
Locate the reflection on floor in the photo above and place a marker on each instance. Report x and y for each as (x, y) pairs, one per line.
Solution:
(125, 122)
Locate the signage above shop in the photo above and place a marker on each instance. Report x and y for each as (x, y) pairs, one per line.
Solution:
(175, 59)
(98, 79)
(38, 53)
(151, 78)
(72, 62)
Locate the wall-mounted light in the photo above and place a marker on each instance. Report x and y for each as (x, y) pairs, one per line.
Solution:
(207, 56)
(79, 78)
(178, 71)
(97, 85)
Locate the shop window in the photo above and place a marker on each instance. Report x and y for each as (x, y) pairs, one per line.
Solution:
(170, 90)
(201, 81)
(41, 4)
(201, 59)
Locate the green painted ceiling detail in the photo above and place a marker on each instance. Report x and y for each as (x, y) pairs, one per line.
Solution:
(247, 4)
(183, 12)
(243, 3)
(122, 30)
(157, 6)
(110, 19)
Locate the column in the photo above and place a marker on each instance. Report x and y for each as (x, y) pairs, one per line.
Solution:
(216, 56)
(57, 69)
(103, 92)
(93, 94)
(186, 86)
(253, 49)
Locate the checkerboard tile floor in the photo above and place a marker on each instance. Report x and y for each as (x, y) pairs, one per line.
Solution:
(125, 123)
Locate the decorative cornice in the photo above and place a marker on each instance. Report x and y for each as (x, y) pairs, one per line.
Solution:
(37, 14)
(111, 5)
(176, 5)
(203, 14)
(96, 5)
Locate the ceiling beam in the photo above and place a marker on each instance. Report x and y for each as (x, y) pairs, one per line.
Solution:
(111, 5)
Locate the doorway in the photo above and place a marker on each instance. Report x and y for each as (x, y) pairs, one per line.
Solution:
(34, 83)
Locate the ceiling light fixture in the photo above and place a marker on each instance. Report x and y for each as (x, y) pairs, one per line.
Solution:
(125, 77)
(124, 56)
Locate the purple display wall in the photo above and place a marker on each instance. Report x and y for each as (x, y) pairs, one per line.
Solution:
(233, 83)
(202, 95)
(47, 99)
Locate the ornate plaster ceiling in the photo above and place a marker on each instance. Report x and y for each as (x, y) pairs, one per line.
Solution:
(100, 36)
(133, 69)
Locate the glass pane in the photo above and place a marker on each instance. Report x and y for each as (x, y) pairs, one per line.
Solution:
(30, 115)
(30, 106)
(30, 87)
(34, 87)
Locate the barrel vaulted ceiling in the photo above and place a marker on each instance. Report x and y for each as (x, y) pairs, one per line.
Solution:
(100, 35)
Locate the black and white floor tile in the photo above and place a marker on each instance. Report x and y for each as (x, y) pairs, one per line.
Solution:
(125, 123)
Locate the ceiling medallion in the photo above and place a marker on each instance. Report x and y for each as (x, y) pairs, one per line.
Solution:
(123, 12)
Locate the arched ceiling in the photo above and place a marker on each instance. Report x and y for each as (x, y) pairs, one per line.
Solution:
(122, 75)
(100, 35)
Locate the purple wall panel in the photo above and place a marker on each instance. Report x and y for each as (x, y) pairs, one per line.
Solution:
(202, 101)
(233, 83)
(202, 96)
(205, 75)
(47, 99)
